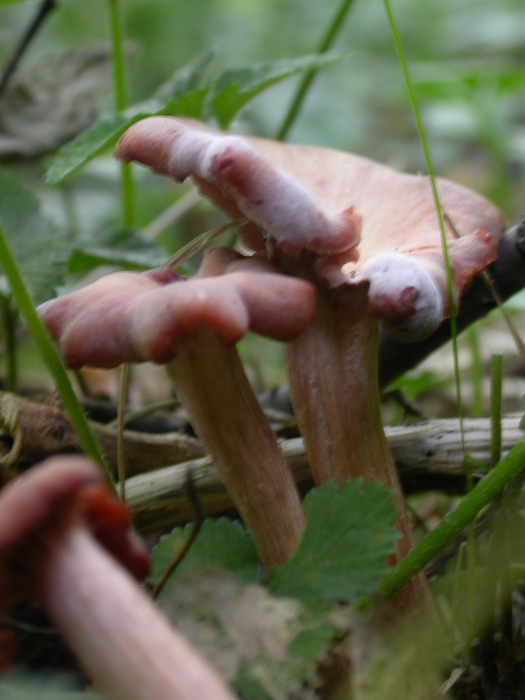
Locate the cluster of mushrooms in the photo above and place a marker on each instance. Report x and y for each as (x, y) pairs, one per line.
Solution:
(338, 244)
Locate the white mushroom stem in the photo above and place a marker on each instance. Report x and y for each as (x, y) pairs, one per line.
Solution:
(210, 382)
(332, 372)
(123, 642)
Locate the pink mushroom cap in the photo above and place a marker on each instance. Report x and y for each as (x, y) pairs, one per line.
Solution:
(366, 224)
(130, 317)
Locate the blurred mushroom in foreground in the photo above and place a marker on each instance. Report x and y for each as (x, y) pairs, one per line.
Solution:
(66, 542)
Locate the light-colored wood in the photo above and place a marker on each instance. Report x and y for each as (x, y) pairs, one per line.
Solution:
(427, 453)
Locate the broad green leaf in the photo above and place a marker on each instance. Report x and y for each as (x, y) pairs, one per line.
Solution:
(344, 549)
(413, 386)
(235, 88)
(182, 94)
(265, 647)
(39, 247)
(121, 247)
(221, 543)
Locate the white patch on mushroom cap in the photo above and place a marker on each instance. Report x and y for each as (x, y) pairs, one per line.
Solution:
(403, 295)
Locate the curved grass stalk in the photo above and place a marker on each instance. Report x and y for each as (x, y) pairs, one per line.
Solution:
(121, 102)
(50, 356)
(434, 543)
(439, 209)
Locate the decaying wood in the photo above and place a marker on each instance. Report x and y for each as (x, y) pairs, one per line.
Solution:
(428, 455)
(31, 431)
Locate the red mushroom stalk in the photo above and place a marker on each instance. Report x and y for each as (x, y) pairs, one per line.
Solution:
(62, 536)
(193, 325)
(368, 238)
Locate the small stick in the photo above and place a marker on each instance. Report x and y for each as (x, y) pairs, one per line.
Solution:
(25, 41)
(194, 497)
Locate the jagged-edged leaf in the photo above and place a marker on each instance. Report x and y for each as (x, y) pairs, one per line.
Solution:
(348, 538)
(183, 94)
(51, 102)
(235, 88)
(39, 246)
(221, 543)
(122, 247)
(265, 647)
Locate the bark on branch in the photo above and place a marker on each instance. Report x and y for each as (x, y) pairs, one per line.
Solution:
(428, 455)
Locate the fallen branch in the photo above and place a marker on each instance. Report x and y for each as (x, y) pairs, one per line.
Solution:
(428, 455)
(31, 432)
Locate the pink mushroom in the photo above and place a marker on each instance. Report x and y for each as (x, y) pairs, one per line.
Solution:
(368, 237)
(65, 541)
(193, 325)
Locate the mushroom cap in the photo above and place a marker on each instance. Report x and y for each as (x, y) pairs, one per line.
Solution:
(61, 492)
(346, 210)
(151, 314)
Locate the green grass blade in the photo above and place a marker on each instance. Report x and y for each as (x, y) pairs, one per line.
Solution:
(434, 543)
(50, 356)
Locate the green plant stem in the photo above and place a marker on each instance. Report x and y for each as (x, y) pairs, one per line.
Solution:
(476, 372)
(437, 202)
(121, 102)
(496, 385)
(325, 43)
(9, 319)
(434, 543)
(50, 356)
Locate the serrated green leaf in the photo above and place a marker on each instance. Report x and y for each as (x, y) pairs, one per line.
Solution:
(221, 543)
(40, 247)
(183, 94)
(344, 549)
(121, 247)
(265, 647)
(235, 88)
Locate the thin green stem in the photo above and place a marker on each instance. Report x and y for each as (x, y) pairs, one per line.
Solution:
(434, 543)
(50, 356)
(305, 84)
(496, 384)
(9, 319)
(121, 102)
(129, 416)
(476, 372)
(439, 209)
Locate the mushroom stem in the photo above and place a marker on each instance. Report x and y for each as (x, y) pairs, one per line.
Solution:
(332, 372)
(123, 642)
(210, 382)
